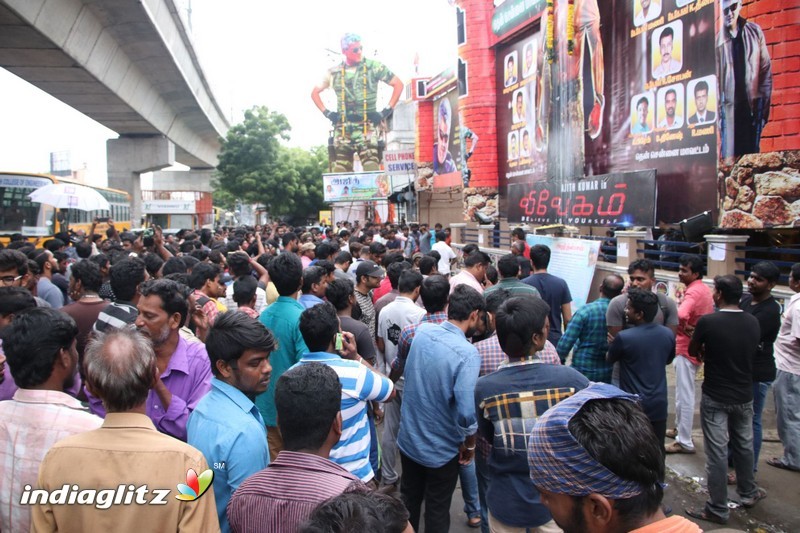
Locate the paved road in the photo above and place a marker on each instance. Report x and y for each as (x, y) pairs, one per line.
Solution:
(779, 513)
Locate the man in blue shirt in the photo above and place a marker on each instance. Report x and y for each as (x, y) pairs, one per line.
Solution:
(508, 403)
(643, 352)
(437, 420)
(315, 282)
(226, 425)
(552, 289)
(282, 319)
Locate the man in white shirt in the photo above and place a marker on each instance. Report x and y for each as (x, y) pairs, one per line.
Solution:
(672, 120)
(446, 254)
(393, 318)
(668, 64)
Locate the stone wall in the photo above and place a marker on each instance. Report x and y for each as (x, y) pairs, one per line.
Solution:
(761, 191)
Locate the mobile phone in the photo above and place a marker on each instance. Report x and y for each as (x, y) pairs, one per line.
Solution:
(102, 219)
(338, 345)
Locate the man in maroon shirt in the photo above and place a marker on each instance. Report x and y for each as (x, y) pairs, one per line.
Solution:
(84, 285)
(283, 495)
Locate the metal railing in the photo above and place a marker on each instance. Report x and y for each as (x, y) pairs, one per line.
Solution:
(756, 254)
(608, 247)
(667, 258)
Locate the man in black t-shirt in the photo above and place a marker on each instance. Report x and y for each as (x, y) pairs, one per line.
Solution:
(727, 341)
(760, 303)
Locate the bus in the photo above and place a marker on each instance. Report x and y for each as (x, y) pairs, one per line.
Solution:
(38, 222)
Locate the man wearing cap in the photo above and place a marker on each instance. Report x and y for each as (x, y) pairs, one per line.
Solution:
(590, 482)
(307, 253)
(368, 277)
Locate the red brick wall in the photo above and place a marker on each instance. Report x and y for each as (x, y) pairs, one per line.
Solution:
(423, 153)
(479, 105)
(780, 21)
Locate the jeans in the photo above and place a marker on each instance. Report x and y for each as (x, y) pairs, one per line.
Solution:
(469, 489)
(786, 388)
(482, 471)
(721, 422)
(660, 429)
(759, 398)
(435, 486)
(685, 373)
(391, 425)
(374, 452)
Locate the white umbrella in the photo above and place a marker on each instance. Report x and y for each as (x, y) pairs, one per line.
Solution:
(70, 196)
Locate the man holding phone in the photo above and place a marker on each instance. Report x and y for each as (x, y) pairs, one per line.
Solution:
(322, 333)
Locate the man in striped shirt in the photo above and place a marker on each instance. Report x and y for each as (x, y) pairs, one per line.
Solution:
(282, 496)
(126, 276)
(320, 328)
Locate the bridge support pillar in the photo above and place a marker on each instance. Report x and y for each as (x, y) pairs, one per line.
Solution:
(129, 157)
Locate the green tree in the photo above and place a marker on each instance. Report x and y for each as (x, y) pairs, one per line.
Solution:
(255, 167)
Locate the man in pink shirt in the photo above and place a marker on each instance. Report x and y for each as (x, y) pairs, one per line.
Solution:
(473, 273)
(40, 345)
(696, 303)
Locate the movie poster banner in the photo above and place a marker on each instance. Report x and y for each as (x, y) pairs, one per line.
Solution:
(447, 141)
(624, 199)
(522, 152)
(353, 186)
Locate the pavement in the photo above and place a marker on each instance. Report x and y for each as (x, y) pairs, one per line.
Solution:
(686, 476)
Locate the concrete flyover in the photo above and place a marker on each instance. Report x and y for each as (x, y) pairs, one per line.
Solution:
(129, 65)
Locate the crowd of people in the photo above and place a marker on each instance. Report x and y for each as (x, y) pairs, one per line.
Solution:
(345, 379)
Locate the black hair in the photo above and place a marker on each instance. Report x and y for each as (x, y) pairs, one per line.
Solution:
(358, 511)
(244, 289)
(205, 236)
(729, 287)
(324, 250)
(426, 265)
(343, 257)
(440, 236)
(179, 277)
(174, 265)
(318, 325)
(491, 273)
(618, 435)
(517, 320)
(84, 249)
(694, 262)
(394, 271)
(391, 257)
(234, 333)
(477, 258)
(795, 272)
(32, 341)
(307, 400)
(668, 32)
(125, 278)
(767, 270)
(645, 302)
(239, 264)
(13, 260)
(326, 265)
(464, 300)
(495, 298)
(153, 264)
(15, 299)
(54, 244)
(288, 237)
(435, 293)
(100, 260)
(700, 86)
(642, 265)
(410, 279)
(540, 256)
(376, 248)
(508, 266)
(201, 273)
(612, 286)
(173, 299)
(41, 259)
(338, 293)
(286, 272)
(469, 248)
(311, 276)
(88, 274)
(673, 91)
(200, 255)
(643, 100)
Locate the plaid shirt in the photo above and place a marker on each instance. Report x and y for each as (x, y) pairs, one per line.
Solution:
(492, 355)
(588, 329)
(407, 335)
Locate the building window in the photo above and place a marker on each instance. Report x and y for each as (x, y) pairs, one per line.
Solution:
(461, 24)
(462, 78)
